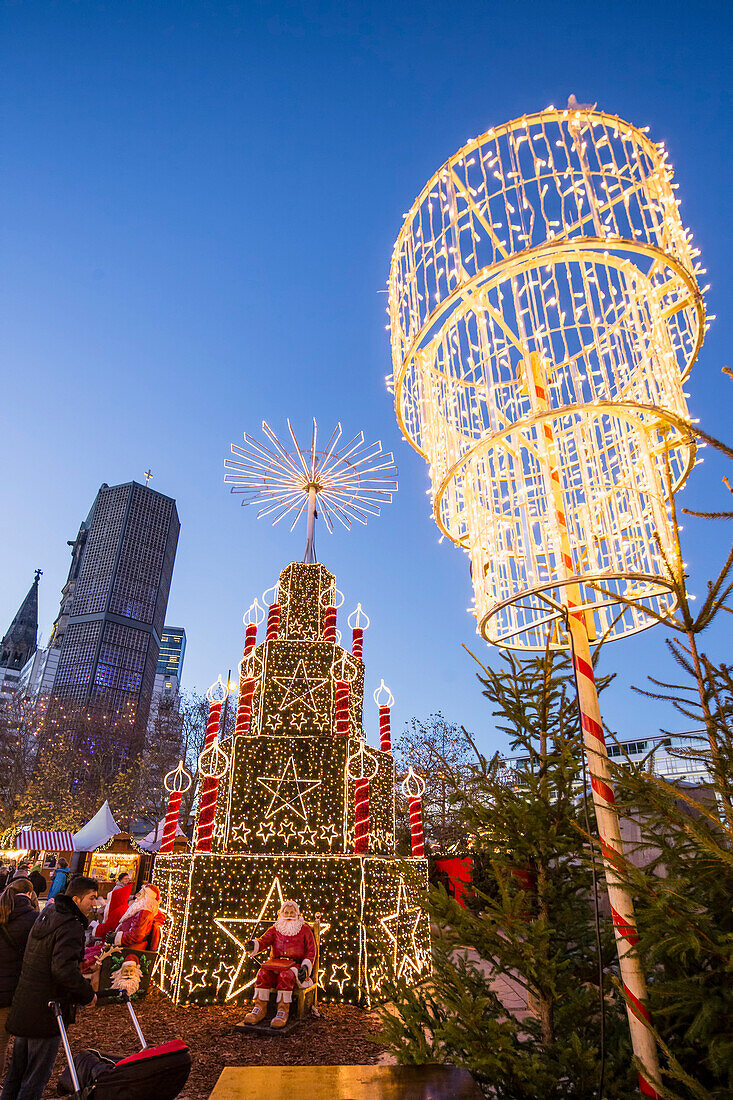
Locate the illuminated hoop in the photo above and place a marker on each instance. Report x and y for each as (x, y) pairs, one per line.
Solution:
(549, 254)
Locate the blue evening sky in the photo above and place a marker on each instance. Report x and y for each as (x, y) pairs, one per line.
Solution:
(199, 204)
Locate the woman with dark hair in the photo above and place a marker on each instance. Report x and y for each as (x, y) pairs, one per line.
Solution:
(18, 914)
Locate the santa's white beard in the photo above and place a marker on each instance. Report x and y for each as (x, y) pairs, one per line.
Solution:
(289, 926)
(129, 985)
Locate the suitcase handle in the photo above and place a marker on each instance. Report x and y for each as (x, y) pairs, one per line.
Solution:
(56, 1009)
(141, 1038)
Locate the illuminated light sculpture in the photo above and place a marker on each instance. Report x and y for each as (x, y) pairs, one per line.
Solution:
(344, 484)
(176, 783)
(384, 699)
(413, 788)
(286, 826)
(544, 311)
(216, 695)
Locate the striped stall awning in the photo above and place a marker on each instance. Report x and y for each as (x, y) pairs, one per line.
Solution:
(46, 840)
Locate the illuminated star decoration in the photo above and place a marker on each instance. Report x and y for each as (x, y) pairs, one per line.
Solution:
(222, 975)
(401, 927)
(345, 975)
(349, 484)
(196, 977)
(242, 929)
(302, 692)
(240, 833)
(266, 831)
(287, 793)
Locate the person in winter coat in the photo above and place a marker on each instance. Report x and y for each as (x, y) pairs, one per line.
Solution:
(60, 879)
(18, 913)
(51, 972)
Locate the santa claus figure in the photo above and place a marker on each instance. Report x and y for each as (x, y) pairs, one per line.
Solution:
(117, 903)
(127, 978)
(137, 922)
(293, 950)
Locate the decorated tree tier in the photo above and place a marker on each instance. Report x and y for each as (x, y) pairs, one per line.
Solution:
(296, 805)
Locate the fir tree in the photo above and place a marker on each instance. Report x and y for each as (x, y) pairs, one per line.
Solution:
(530, 924)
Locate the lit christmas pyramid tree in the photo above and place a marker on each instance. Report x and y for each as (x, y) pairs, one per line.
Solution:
(296, 804)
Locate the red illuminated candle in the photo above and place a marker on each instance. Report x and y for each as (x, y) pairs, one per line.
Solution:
(413, 789)
(329, 624)
(273, 622)
(244, 707)
(176, 783)
(361, 768)
(216, 695)
(359, 622)
(384, 699)
(341, 706)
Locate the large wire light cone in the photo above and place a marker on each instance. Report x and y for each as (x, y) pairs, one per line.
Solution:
(543, 286)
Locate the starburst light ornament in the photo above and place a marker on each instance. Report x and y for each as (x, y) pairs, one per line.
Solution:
(544, 311)
(344, 483)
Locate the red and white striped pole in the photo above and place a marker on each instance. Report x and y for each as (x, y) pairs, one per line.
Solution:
(176, 783)
(253, 617)
(413, 788)
(359, 622)
(384, 699)
(609, 830)
(216, 695)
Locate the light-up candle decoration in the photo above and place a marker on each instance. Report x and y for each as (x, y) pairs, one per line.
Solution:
(273, 614)
(216, 695)
(343, 672)
(329, 624)
(361, 767)
(252, 618)
(543, 319)
(413, 788)
(359, 622)
(176, 783)
(384, 699)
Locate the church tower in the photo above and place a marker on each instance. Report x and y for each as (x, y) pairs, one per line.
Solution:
(19, 643)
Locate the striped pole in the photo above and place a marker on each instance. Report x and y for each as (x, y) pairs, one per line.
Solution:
(609, 830)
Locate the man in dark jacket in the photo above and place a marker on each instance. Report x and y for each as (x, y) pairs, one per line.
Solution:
(51, 972)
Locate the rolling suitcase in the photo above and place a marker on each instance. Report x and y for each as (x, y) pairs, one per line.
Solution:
(154, 1073)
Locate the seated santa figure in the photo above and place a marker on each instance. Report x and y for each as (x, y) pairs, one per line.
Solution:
(118, 900)
(137, 923)
(293, 951)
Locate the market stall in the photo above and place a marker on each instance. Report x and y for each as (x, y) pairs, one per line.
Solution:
(107, 851)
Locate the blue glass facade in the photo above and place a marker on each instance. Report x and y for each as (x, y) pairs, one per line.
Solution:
(172, 651)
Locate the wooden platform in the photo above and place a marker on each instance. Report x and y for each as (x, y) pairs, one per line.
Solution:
(432, 1082)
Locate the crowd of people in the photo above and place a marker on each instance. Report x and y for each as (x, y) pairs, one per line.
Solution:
(51, 951)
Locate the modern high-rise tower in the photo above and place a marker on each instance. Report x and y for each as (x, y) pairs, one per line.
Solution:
(114, 620)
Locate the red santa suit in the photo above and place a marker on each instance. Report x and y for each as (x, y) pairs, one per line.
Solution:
(117, 903)
(134, 929)
(292, 945)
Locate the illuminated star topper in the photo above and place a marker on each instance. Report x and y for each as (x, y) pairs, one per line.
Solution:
(345, 484)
